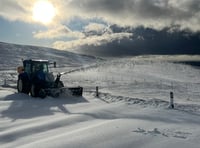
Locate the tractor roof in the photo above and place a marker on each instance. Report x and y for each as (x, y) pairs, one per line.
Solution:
(37, 60)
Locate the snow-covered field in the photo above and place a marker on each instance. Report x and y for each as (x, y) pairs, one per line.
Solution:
(130, 112)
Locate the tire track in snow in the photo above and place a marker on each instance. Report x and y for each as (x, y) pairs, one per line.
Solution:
(82, 127)
(26, 129)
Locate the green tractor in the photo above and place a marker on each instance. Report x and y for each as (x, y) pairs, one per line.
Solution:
(34, 78)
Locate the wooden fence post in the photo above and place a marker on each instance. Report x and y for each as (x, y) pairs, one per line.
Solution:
(171, 102)
(5, 82)
(97, 91)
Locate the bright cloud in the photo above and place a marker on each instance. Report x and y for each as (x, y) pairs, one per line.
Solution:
(14, 10)
(95, 35)
(96, 29)
(58, 32)
(92, 40)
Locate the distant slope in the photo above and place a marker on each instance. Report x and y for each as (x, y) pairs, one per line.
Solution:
(11, 55)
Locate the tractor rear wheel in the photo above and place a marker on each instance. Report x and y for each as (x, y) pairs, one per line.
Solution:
(34, 92)
(22, 86)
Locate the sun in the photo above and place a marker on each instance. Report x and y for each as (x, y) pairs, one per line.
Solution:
(43, 11)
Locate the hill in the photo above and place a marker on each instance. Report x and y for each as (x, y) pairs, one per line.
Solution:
(11, 55)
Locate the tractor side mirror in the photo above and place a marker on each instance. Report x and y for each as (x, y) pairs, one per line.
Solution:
(54, 64)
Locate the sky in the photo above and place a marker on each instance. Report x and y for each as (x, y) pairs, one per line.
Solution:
(100, 26)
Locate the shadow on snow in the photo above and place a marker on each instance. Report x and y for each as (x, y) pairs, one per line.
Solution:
(25, 107)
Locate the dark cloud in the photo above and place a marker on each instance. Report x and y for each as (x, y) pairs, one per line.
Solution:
(168, 41)
(156, 14)
(168, 27)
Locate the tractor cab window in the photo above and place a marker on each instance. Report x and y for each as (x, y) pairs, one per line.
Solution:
(40, 67)
(45, 68)
(28, 68)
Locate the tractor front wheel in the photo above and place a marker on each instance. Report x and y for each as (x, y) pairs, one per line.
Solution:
(37, 92)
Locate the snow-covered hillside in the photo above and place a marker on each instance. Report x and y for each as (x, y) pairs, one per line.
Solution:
(142, 78)
(11, 56)
(131, 110)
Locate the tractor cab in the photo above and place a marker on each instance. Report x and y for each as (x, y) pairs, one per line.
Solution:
(33, 66)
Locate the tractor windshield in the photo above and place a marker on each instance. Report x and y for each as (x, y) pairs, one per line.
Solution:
(40, 67)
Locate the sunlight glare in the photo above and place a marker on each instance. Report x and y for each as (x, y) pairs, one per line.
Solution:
(43, 11)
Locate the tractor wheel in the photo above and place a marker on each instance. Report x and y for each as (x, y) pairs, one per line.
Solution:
(22, 86)
(34, 91)
(42, 94)
(37, 92)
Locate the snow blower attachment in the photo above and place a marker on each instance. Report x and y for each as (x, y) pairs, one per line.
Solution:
(34, 78)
